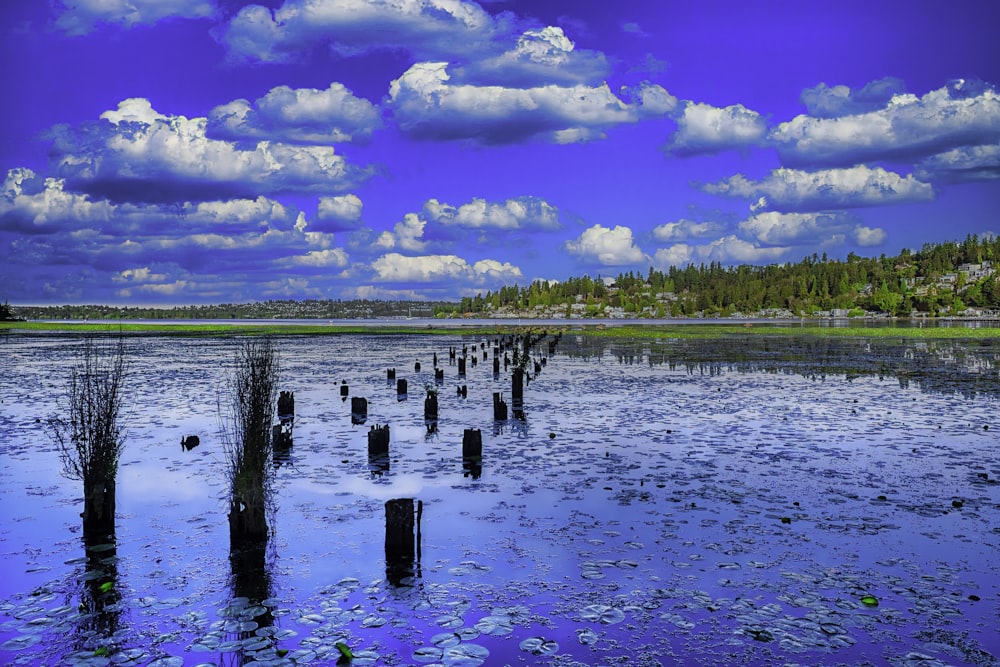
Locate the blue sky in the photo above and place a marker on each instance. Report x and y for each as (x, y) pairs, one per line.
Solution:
(207, 151)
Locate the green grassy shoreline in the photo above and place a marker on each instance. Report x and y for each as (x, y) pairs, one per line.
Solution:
(467, 327)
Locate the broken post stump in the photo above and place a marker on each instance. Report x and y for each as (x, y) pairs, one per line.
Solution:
(189, 442)
(496, 365)
(378, 440)
(286, 404)
(98, 505)
(439, 375)
(463, 391)
(401, 387)
(416, 367)
(472, 443)
(431, 407)
(390, 374)
(499, 407)
(359, 410)
(461, 365)
(402, 542)
(344, 390)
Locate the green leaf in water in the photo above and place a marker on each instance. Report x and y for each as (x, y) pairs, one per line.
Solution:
(102, 652)
(869, 601)
(345, 650)
(106, 586)
(281, 652)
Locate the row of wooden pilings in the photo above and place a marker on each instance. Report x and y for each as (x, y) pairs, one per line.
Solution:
(403, 515)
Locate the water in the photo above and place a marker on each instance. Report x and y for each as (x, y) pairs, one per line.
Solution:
(664, 502)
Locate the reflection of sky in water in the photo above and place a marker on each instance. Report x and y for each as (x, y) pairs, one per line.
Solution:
(707, 500)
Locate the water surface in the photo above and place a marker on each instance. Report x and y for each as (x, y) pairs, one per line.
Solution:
(745, 501)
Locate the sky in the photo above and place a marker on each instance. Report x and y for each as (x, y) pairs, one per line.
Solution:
(170, 152)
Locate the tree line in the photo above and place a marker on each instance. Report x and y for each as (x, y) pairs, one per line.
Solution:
(926, 281)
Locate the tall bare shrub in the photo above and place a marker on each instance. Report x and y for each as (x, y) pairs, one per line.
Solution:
(246, 426)
(92, 438)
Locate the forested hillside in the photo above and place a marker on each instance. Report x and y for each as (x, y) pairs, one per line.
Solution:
(940, 279)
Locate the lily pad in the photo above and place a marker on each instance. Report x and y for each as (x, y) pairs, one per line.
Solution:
(539, 646)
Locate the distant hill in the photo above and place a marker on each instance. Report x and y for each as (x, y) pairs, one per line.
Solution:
(282, 309)
(957, 279)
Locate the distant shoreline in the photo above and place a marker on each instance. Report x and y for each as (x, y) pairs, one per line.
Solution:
(644, 328)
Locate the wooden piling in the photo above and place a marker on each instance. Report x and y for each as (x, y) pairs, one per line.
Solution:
(378, 440)
(359, 409)
(472, 443)
(286, 404)
(499, 407)
(402, 542)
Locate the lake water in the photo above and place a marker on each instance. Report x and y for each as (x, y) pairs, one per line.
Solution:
(749, 500)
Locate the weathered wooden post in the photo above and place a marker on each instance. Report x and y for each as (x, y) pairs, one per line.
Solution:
(359, 410)
(472, 443)
(402, 543)
(378, 440)
(286, 405)
(499, 407)
(472, 453)
(475, 361)
(435, 360)
(416, 367)
(401, 389)
(461, 366)
(451, 354)
(390, 374)
(344, 389)
(439, 375)
(431, 406)
(463, 391)
(496, 365)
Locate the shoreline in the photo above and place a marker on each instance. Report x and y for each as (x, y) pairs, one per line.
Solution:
(674, 328)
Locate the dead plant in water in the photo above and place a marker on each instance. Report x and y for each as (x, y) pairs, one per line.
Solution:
(246, 419)
(92, 438)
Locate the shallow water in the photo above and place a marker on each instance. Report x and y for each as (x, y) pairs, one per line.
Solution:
(664, 502)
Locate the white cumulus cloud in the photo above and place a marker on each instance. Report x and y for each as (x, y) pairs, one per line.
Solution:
(964, 113)
(608, 246)
(540, 57)
(393, 267)
(297, 115)
(685, 229)
(136, 153)
(825, 101)
(968, 163)
(726, 250)
(427, 104)
(792, 189)
(703, 128)
(426, 28)
(29, 204)
(518, 213)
